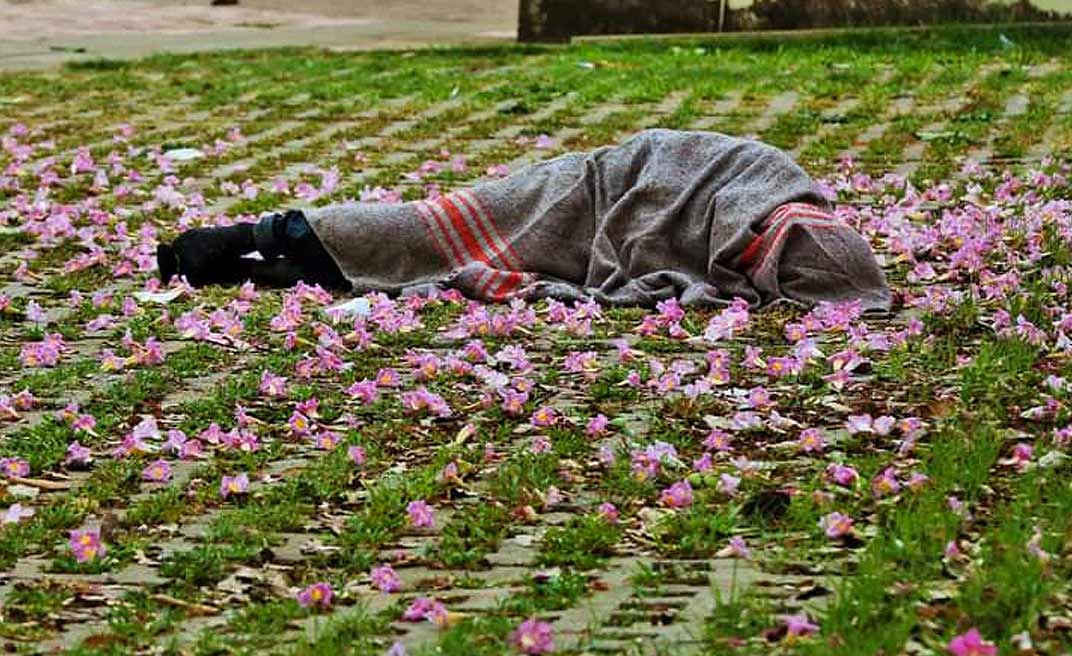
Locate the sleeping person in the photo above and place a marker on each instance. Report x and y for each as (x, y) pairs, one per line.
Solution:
(698, 216)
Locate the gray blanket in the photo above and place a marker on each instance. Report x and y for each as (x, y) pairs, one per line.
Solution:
(666, 214)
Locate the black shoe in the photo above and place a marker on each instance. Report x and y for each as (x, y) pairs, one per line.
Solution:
(283, 273)
(279, 273)
(166, 262)
(208, 256)
(288, 236)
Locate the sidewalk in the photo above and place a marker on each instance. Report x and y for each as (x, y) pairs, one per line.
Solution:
(46, 34)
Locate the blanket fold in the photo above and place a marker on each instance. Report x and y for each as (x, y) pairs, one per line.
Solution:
(699, 216)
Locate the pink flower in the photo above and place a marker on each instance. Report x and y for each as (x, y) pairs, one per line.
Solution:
(540, 444)
(82, 162)
(14, 467)
(811, 441)
(736, 549)
(609, 512)
(544, 142)
(858, 424)
(326, 440)
(317, 595)
(273, 385)
(213, 434)
(309, 407)
(971, 644)
(883, 425)
(836, 525)
(842, 475)
(15, 513)
(544, 416)
(385, 578)
(176, 439)
(703, 464)
(146, 429)
(425, 608)
(533, 637)
(77, 455)
(423, 400)
(366, 391)
(758, 398)
(885, 483)
(357, 455)
(299, 424)
(779, 367)
(426, 365)
(24, 400)
(388, 378)
(606, 456)
(84, 423)
(728, 484)
(916, 481)
(86, 545)
(513, 402)
(191, 449)
(552, 497)
(45, 353)
(743, 421)
(421, 514)
(158, 471)
(718, 440)
(234, 485)
(597, 426)
(799, 625)
(678, 495)
(1021, 455)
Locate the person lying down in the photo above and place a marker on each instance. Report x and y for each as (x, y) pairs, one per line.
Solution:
(698, 216)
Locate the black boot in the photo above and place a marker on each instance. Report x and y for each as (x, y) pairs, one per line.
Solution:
(279, 273)
(208, 256)
(290, 237)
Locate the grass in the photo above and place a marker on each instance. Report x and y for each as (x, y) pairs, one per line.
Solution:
(497, 497)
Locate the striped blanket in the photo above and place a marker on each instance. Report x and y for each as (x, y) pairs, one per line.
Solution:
(698, 216)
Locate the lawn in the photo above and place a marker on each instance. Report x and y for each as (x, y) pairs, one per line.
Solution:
(240, 471)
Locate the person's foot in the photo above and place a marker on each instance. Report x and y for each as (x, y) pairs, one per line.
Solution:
(282, 273)
(279, 273)
(208, 256)
(166, 262)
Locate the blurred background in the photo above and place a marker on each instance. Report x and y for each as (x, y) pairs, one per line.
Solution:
(41, 32)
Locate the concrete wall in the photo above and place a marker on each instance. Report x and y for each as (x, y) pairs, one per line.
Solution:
(558, 20)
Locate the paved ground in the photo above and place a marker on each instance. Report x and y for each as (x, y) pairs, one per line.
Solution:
(43, 33)
(972, 398)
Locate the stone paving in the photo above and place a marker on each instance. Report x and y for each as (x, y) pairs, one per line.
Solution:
(256, 150)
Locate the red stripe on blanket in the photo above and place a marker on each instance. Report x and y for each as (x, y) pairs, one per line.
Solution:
(461, 229)
(463, 223)
(468, 219)
(778, 222)
(438, 234)
(471, 249)
(488, 232)
(515, 262)
(511, 282)
(494, 241)
(477, 250)
(760, 247)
